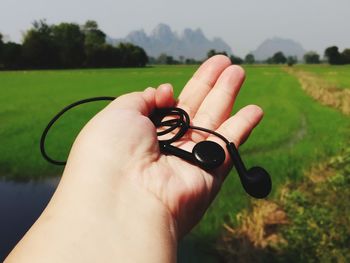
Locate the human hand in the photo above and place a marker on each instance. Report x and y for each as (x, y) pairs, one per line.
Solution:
(120, 194)
(121, 143)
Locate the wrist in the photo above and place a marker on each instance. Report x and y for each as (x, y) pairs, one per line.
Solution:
(145, 221)
(91, 219)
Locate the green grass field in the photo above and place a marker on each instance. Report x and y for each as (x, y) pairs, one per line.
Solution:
(295, 133)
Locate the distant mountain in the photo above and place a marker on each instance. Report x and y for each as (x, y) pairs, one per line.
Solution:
(189, 44)
(271, 46)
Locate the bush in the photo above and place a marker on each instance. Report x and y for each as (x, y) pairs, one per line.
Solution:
(319, 212)
(317, 228)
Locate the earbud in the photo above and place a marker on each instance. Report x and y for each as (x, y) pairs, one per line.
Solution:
(256, 181)
(207, 154)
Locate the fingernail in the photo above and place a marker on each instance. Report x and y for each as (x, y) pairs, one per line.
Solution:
(166, 87)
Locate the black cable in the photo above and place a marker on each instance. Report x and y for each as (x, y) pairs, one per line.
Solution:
(208, 155)
(182, 123)
(55, 118)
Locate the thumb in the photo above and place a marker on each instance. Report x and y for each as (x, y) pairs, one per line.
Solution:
(143, 102)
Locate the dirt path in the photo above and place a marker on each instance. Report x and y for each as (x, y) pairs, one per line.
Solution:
(322, 91)
(258, 236)
(280, 228)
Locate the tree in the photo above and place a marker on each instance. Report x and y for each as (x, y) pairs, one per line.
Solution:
(165, 59)
(311, 57)
(94, 37)
(181, 59)
(346, 56)
(1, 49)
(291, 60)
(333, 56)
(249, 59)
(269, 60)
(102, 56)
(1, 42)
(279, 58)
(132, 56)
(39, 49)
(94, 44)
(336, 58)
(11, 57)
(67, 45)
(213, 52)
(162, 59)
(236, 60)
(170, 60)
(152, 60)
(69, 40)
(192, 61)
(140, 55)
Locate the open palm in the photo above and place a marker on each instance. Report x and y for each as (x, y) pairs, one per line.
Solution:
(129, 145)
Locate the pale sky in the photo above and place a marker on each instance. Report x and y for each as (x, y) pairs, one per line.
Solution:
(316, 24)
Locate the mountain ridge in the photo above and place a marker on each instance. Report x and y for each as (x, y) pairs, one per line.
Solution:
(162, 39)
(192, 43)
(270, 46)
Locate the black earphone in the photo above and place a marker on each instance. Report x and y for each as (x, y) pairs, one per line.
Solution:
(206, 154)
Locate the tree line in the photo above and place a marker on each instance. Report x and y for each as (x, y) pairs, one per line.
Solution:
(68, 45)
(337, 58)
(331, 54)
(164, 59)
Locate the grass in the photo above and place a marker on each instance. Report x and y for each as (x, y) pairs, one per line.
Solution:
(247, 242)
(296, 131)
(308, 222)
(29, 99)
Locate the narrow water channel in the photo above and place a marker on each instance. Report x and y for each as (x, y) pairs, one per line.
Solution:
(20, 205)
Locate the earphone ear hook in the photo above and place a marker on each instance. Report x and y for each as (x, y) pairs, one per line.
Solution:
(256, 181)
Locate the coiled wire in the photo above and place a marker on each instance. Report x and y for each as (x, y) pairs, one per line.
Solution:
(162, 118)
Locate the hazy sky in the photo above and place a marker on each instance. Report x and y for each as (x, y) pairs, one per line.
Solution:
(316, 24)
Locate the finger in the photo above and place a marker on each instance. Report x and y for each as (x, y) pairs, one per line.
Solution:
(217, 106)
(201, 83)
(237, 129)
(165, 96)
(142, 102)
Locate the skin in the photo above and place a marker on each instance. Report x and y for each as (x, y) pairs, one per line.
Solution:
(119, 198)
